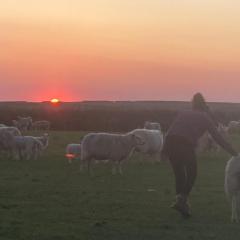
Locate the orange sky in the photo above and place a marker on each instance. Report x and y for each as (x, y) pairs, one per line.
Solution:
(119, 50)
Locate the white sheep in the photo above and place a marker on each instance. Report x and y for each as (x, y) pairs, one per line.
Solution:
(44, 140)
(153, 142)
(28, 147)
(232, 185)
(73, 151)
(233, 127)
(23, 123)
(152, 125)
(105, 146)
(15, 131)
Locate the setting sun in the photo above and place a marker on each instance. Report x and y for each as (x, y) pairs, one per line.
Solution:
(55, 100)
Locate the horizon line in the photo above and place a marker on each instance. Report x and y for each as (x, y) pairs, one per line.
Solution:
(113, 101)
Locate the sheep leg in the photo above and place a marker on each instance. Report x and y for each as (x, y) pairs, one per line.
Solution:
(113, 167)
(32, 154)
(70, 161)
(90, 172)
(27, 155)
(237, 206)
(120, 167)
(23, 154)
(82, 161)
(17, 154)
(35, 154)
(9, 154)
(234, 209)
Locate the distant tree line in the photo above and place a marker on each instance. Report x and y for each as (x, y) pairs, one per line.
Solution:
(101, 118)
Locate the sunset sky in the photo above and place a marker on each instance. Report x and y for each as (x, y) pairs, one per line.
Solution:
(119, 49)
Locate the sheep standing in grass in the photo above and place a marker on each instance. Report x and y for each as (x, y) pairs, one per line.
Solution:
(105, 146)
(233, 127)
(23, 123)
(44, 140)
(152, 125)
(73, 151)
(28, 147)
(153, 142)
(232, 186)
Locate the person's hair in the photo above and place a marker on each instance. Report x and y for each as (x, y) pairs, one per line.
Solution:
(199, 103)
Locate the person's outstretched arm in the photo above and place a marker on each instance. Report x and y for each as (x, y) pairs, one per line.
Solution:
(219, 138)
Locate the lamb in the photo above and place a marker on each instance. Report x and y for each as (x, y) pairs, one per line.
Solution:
(153, 142)
(41, 125)
(106, 146)
(232, 185)
(44, 140)
(152, 125)
(73, 151)
(28, 147)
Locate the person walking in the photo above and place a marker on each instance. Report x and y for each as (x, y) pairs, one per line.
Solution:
(180, 144)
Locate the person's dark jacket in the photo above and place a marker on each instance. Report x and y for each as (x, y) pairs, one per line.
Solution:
(191, 125)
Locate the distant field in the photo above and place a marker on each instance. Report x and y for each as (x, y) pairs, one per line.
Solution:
(111, 116)
(49, 199)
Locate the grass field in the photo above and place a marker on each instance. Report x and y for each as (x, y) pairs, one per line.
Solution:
(49, 199)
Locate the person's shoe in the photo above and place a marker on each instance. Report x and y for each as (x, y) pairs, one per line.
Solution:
(182, 206)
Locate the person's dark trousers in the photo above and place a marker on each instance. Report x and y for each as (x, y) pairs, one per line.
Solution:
(182, 157)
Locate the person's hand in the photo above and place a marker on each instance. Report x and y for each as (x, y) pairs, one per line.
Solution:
(236, 154)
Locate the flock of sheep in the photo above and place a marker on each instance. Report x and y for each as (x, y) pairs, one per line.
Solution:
(114, 148)
(117, 147)
(17, 146)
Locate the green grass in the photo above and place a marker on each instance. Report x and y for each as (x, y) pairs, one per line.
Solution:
(50, 199)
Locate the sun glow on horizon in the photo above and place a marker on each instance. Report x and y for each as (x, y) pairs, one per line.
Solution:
(55, 100)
